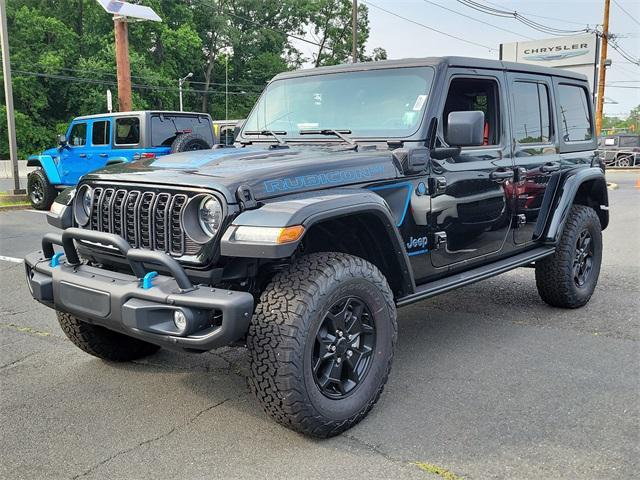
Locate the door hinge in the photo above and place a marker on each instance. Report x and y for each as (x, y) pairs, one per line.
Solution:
(521, 220)
(246, 198)
(439, 240)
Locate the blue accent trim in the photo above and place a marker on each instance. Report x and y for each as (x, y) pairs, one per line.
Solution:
(418, 252)
(146, 281)
(409, 187)
(55, 260)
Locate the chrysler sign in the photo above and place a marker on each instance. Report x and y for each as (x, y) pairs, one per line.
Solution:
(577, 53)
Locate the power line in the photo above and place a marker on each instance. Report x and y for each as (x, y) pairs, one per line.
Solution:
(98, 72)
(302, 39)
(429, 28)
(629, 15)
(70, 78)
(480, 7)
(529, 14)
(476, 20)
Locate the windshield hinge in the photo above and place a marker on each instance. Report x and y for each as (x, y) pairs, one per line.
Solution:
(246, 198)
(393, 144)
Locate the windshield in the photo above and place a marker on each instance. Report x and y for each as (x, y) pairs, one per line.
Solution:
(379, 103)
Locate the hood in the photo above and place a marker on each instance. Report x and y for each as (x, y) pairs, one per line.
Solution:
(268, 172)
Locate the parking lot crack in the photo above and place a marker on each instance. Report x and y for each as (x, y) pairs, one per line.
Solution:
(149, 441)
(15, 362)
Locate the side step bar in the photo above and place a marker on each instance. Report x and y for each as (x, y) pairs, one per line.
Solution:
(437, 287)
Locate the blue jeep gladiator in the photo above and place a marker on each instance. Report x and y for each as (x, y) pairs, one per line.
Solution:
(94, 141)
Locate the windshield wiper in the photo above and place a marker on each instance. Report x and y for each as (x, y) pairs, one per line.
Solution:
(275, 135)
(342, 134)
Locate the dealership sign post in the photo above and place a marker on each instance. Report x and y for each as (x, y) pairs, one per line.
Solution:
(578, 53)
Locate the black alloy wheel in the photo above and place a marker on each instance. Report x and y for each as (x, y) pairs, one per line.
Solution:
(343, 349)
(583, 259)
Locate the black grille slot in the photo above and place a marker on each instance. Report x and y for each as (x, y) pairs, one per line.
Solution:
(145, 219)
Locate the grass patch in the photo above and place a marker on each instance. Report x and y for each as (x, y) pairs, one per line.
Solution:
(14, 203)
(436, 470)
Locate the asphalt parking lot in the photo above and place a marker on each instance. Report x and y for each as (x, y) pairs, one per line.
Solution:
(488, 382)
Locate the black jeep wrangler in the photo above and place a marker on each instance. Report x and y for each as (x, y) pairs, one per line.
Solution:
(351, 190)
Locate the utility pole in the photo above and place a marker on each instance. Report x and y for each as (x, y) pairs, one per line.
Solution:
(8, 95)
(602, 72)
(123, 68)
(354, 32)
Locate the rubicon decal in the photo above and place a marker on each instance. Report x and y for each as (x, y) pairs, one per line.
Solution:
(334, 177)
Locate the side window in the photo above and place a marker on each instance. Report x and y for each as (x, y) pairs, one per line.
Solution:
(629, 142)
(127, 131)
(100, 133)
(468, 94)
(532, 122)
(575, 122)
(78, 135)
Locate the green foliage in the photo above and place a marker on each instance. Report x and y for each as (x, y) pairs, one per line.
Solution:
(63, 56)
(631, 124)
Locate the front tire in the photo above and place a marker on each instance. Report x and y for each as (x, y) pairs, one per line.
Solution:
(41, 192)
(321, 343)
(102, 342)
(568, 278)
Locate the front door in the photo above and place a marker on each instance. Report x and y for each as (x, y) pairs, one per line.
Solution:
(471, 193)
(73, 156)
(535, 152)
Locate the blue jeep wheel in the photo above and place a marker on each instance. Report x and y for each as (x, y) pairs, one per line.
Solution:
(41, 192)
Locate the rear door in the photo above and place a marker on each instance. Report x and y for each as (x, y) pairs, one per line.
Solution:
(535, 150)
(100, 143)
(471, 206)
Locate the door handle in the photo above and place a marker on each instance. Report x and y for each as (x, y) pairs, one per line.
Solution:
(104, 155)
(501, 174)
(550, 167)
(82, 155)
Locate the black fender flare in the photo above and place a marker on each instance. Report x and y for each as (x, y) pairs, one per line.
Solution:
(311, 208)
(566, 190)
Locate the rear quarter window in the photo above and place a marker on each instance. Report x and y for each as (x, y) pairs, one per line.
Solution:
(574, 114)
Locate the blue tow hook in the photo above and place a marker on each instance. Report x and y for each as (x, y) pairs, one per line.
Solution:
(146, 281)
(55, 260)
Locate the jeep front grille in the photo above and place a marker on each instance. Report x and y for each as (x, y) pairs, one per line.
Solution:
(144, 218)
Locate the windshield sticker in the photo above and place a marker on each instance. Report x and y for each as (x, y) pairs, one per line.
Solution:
(419, 102)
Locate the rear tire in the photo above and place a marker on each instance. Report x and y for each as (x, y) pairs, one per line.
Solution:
(568, 278)
(325, 307)
(41, 192)
(187, 142)
(102, 342)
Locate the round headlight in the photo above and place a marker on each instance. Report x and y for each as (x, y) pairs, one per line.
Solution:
(210, 215)
(82, 205)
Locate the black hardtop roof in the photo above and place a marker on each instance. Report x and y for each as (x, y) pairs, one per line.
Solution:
(469, 62)
(140, 112)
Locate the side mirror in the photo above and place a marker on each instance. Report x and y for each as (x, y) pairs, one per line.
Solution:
(465, 129)
(62, 140)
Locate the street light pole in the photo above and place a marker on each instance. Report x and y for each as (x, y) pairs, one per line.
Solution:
(8, 95)
(180, 82)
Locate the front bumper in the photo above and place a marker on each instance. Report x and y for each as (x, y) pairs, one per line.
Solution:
(140, 305)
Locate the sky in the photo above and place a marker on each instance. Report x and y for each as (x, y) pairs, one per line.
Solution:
(403, 39)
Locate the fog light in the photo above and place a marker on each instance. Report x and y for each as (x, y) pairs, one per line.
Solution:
(180, 321)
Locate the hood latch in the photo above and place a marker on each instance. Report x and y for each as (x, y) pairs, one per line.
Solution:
(246, 198)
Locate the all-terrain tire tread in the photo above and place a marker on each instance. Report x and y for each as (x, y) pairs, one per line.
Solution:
(553, 273)
(276, 340)
(103, 343)
(50, 193)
